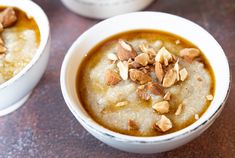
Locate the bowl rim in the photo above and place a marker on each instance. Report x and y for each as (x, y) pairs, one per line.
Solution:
(99, 129)
(43, 40)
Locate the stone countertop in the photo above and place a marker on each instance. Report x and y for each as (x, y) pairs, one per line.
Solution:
(44, 126)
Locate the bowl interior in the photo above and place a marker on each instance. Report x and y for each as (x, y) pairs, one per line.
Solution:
(32, 10)
(149, 20)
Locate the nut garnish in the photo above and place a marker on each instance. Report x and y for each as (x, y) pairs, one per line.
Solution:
(196, 116)
(122, 103)
(112, 77)
(159, 71)
(189, 54)
(125, 51)
(183, 74)
(8, 17)
(209, 97)
(164, 124)
(132, 125)
(146, 49)
(142, 94)
(177, 70)
(155, 88)
(2, 49)
(169, 78)
(134, 65)
(167, 96)
(179, 110)
(177, 42)
(112, 57)
(158, 44)
(164, 56)
(123, 69)
(142, 59)
(161, 107)
(139, 76)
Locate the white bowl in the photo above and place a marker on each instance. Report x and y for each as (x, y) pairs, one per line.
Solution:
(102, 9)
(14, 92)
(146, 20)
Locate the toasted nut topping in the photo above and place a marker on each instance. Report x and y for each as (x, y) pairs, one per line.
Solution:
(196, 116)
(134, 65)
(169, 78)
(183, 74)
(132, 125)
(167, 96)
(161, 107)
(8, 17)
(123, 69)
(125, 51)
(142, 59)
(112, 57)
(164, 124)
(189, 54)
(179, 110)
(142, 94)
(141, 87)
(209, 97)
(146, 49)
(139, 76)
(122, 103)
(112, 77)
(177, 42)
(1, 41)
(2, 49)
(164, 56)
(177, 70)
(155, 88)
(159, 71)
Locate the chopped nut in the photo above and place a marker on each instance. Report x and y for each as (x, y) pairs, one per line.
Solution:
(177, 42)
(123, 69)
(169, 78)
(159, 71)
(167, 96)
(179, 110)
(134, 65)
(146, 49)
(209, 97)
(142, 59)
(125, 51)
(158, 44)
(132, 125)
(183, 74)
(177, 70)
(2, 49)
(8, 17)
(122, 103)
(139, 76)
(164, 56)
(196, 116)
(189, 54)
(112, 57)
(141, 87)
(142, 94)
(155, 88)
(112, 77)
(1, 41)
(161, 107)
(164, 124)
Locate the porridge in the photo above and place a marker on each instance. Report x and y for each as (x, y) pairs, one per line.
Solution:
(19, 40)
(145, 83)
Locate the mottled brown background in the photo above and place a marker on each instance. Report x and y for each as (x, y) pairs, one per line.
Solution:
(44, 127)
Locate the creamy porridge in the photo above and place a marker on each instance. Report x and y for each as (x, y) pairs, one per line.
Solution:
(145, 83)
(19, 41)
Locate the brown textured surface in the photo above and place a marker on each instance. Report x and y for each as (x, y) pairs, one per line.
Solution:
(44, 127)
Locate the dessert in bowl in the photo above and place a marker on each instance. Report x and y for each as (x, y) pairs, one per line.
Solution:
(24, 51)
(145, 86)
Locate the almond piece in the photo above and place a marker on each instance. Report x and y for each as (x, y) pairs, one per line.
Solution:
(112, 57)
(164, 56)
(142, 94)
(167, 96)
(112, 77)
(189, 54)
(164, 124)
(146, 49)
(177, 70)
(209, 97)
(8, 17)
(2, 49)
(169, 78)
(142, 59)
(125, 51)
(123, 69)
(1, 41)
(134, 65)
(177, 42)
(132, 125)
(161, 107)
(155, 88)
(122, 103)
(159, 71)
(139, 76)
(183, 74)
(179, 110)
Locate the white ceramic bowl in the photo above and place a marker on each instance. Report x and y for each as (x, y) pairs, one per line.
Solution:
(101, 9)
(16, 91)
(146, 20)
